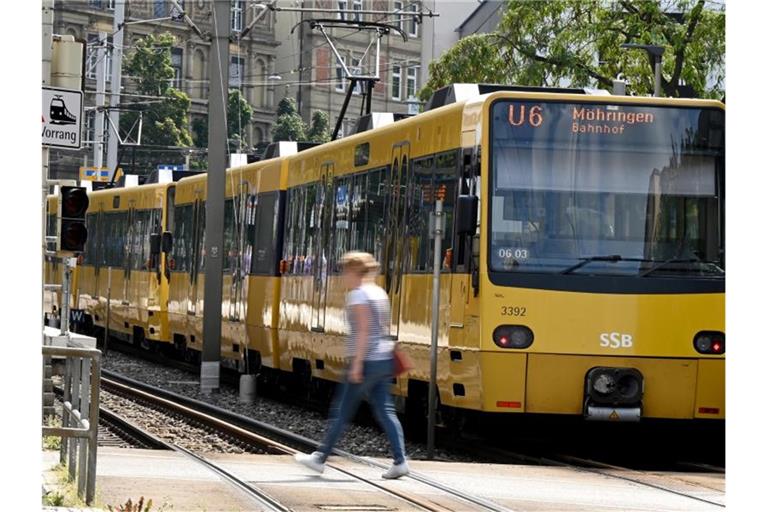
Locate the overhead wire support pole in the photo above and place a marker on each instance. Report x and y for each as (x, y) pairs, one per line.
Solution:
(117, 73)
(214, 207)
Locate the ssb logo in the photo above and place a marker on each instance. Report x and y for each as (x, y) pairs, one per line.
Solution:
(615, 340)
(518, 115)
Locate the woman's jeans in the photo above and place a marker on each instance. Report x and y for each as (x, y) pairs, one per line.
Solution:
(377, 379)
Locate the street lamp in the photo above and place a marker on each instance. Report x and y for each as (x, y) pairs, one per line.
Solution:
(655, 52)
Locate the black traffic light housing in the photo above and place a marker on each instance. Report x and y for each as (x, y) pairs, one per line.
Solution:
(72, 233)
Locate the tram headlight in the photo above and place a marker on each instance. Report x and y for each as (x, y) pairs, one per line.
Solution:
(513, 336)
(709, 342)
(614, 386)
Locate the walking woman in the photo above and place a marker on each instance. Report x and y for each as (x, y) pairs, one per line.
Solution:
(370, 371)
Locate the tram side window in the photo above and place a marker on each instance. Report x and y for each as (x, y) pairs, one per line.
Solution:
(294, 229)
(182, 237)
(433, 177)
(341, 219)
(306, 225)
(374, 221)
(289, 229)
(201, 236)
(230, 241)
(358, 211)
(89, 256)
(115, 241)
(263, 259)
(446, 181)
(421, 202)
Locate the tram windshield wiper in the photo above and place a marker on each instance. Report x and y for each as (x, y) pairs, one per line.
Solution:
(590, 259)
(663, 263)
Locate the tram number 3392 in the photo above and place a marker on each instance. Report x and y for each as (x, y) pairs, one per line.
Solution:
(513, 311)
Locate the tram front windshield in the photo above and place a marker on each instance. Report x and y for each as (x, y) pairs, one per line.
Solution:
(607, 190)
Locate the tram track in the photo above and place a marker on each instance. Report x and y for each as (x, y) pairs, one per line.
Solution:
(277, 441)
(639, 477)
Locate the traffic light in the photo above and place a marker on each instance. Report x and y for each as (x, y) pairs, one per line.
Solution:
(72, 233)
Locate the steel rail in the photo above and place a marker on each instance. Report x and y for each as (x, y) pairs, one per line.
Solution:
(258, 495)
(601, 469)
(238, 426)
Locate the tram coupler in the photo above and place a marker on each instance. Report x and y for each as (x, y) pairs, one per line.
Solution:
(613, 394)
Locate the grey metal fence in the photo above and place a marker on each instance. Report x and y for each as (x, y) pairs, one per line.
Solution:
(80, 415)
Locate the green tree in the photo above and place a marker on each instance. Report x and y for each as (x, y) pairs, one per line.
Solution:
(239, 114)
(319, 128)
(474, 59)
(578, 43)
(289, 125)
(165, 121)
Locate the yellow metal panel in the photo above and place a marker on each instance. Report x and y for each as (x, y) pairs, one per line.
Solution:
(658, 325)
(503, 381)
(710, 389)
(556, 383)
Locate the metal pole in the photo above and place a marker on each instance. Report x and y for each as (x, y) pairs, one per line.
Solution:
(101, 85)
(65, 287)
(435, 325)
(214, 209)
(657, 81)
(109, 303)
(114, 97)
(47, 57)
(93, 416)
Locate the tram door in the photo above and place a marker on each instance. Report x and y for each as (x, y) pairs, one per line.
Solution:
(321, 249)
(128, 254)
(395, 215)
(195, 267)
(237, 260)
(96, 258)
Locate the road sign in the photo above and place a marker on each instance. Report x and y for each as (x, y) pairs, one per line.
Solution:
(62, 117)
(95, 174)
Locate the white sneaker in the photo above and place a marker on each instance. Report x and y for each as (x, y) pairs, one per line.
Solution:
(312, 460)
(396, 471)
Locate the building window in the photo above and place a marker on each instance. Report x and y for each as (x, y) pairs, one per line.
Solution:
(237, 16)
(357, 6)
(177, 55)
(396, 77)
(398, 22)
(343, 6)
(92, 60)
(236, 71)
(160, 9)
(411, 83)
(340, 74)
(413, 27)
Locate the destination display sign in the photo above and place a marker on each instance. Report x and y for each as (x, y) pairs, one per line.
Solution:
(614, 125)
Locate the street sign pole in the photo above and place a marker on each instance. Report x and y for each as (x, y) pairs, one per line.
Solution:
(214, 208)
(435, 326)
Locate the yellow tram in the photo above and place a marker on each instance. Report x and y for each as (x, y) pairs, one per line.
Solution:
(582, 265)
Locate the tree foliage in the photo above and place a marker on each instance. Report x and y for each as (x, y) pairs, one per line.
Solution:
(289, 125)
(165, 121)
(239, 114)
(319, 129)
(578, 43)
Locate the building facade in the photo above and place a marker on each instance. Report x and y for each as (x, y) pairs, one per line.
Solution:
(311, 72)
(252, 58)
